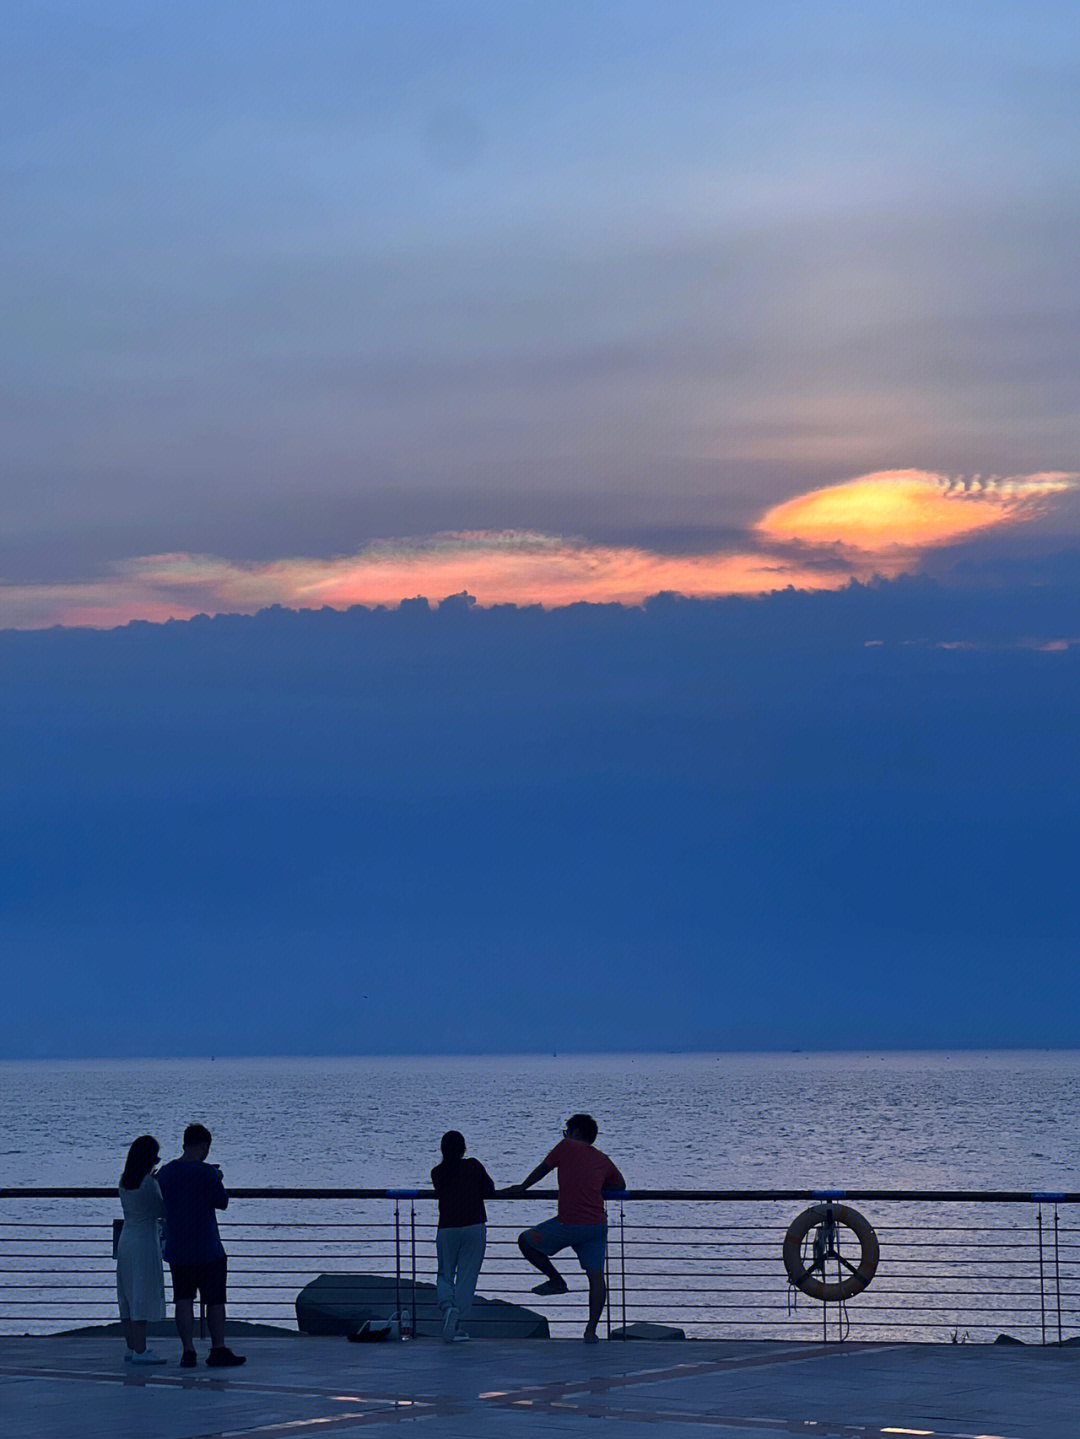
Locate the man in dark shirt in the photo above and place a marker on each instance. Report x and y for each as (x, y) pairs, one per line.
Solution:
(192, 1190)
(585, 1174)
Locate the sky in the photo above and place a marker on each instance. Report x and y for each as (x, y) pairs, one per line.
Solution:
(346, 303)
(533, 527)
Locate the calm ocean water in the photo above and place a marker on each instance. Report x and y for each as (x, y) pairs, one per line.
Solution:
(999, 1120)
(806, 1121)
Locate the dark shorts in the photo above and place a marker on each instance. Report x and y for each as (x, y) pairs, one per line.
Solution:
(206, 1279)
(588, 1241)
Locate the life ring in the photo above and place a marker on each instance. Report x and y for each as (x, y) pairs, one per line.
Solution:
(810, 1278)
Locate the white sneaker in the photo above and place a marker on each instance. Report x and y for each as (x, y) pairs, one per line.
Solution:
(450, 1324)
(460, 1338)
(148, 1357)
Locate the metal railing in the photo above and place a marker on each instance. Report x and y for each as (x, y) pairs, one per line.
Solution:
(955, 1266)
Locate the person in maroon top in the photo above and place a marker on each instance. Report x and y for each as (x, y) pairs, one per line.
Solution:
(461, 1185)
(585, 1174)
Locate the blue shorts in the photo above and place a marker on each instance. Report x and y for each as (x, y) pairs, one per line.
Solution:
(588, 1241)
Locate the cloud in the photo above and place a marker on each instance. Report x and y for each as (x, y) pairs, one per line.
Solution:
(909, 510)
(876, 524)
(508, 567)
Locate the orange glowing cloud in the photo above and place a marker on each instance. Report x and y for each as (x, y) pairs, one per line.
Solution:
(500, 568)
(877, 524)
(907, 510)
(515, 568)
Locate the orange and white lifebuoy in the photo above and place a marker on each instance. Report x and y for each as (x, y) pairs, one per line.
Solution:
(810, 1278)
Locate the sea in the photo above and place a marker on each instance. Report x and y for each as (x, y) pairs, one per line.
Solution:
(821, 1122)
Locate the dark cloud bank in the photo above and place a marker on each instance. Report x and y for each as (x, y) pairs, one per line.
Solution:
(730, 824)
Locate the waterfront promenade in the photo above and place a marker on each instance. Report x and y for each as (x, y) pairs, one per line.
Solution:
(295, 1386)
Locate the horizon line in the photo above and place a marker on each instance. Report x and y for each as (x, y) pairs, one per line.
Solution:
(960, 1049)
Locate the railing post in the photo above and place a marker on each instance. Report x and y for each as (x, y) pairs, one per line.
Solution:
(622, 1260)
(1057, 1274)
(607, 1283)
(1042, 1280)
(397, 1264)
(412, 1239)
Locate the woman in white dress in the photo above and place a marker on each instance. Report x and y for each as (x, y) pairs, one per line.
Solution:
(140, 1281)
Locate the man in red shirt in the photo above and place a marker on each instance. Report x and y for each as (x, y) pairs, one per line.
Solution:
(585, 1174)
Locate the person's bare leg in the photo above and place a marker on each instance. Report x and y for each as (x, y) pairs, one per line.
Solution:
(135, 1333)
(215, 1319)
(125, 1325)
(597, 1295)
(185, 1322)
(540, 1261)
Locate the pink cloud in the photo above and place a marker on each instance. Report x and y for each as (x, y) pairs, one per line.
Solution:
(876, 524)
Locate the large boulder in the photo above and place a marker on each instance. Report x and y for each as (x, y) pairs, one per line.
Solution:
(339, 1303)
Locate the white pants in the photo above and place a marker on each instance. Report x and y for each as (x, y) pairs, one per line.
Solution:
(461, 1253)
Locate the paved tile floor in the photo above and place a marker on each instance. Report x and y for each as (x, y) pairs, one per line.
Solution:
(296, 1387)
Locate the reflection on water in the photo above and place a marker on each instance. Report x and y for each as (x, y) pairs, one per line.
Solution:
(1004, 1120)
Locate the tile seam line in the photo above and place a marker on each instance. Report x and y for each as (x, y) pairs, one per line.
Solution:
(696, 1370)
(177, 1381)
(284, 1428)
(783, 1426)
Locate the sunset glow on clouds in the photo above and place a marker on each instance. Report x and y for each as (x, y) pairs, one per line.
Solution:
(875, 524)
(909, 510)
(495, 568)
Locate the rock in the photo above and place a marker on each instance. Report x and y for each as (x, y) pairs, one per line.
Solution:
(339, 1303)
(1007, 1339)
(646, 1330)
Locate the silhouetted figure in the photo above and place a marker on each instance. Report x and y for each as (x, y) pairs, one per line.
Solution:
(584, 1174)
(461, 1186)
(140, 1278)
(193, 1191)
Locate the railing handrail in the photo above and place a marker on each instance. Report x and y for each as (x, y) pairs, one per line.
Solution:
(945, 1196)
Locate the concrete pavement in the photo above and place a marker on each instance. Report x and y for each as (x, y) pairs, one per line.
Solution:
(297, 1386)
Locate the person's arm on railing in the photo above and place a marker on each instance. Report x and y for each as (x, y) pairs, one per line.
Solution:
(613, 1180)
(538, 1173)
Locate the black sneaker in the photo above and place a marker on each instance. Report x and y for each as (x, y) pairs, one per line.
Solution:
(551, 1286)
(188, 1359)
(224, 1359)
